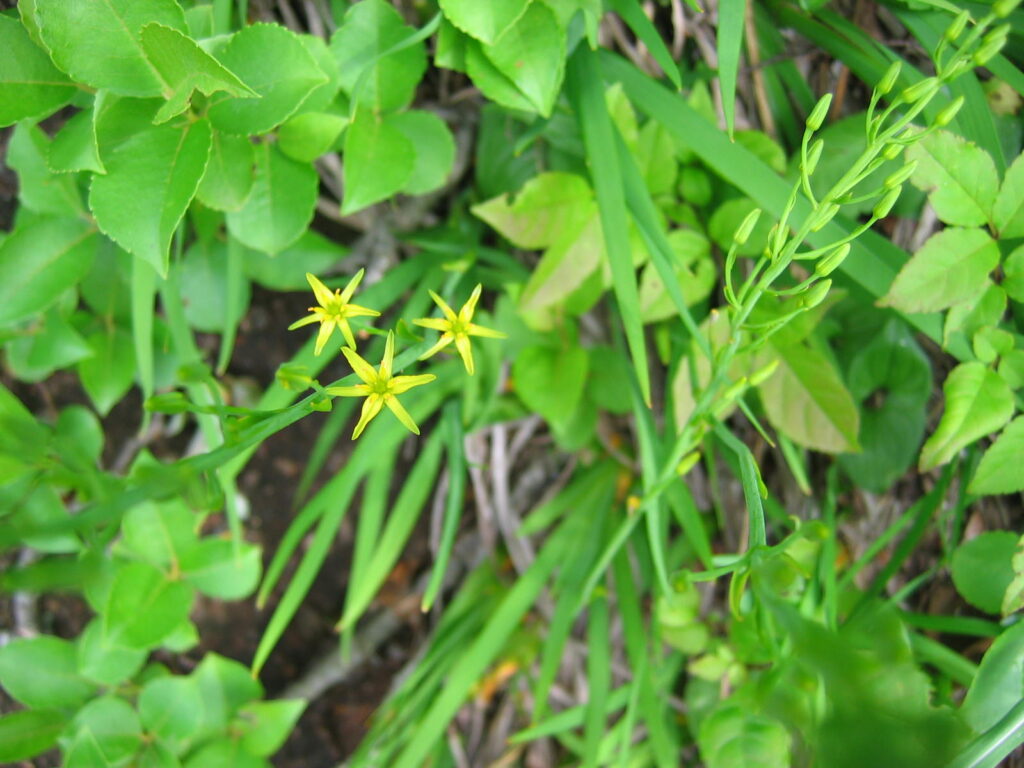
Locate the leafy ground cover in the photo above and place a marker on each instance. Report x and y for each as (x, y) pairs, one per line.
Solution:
(532, 382)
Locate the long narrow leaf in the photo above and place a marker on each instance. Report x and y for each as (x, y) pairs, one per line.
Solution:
(731, 14)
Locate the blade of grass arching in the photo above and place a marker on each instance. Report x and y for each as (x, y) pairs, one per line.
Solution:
(371, 514)
(944, 659)
(143, 294)
(787, 87)
(751, 484)
(680, 501)
(456, 464)
(415, 491)
(571, 718)
(232, 304)
(598, 678)
(329, 434)
(585, 86)
(795, 461)
(222, 16)
(829, 550)
(730, 42)
(1005, 70)
(480, 654)
(996, 744)
(647, 219)
(632, 711)
(381, 436)
(634, 16)
(589, 484)
(951, 625)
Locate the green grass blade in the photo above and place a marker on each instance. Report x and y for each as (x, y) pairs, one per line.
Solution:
(944, 659)
(142, 295)
(585, 85)
(731, 15)
(598, 679)
(571, 718)
(750, 482)
(990, 748)
(455, 445)
(644, 29)
(232, 303)
(330, 433)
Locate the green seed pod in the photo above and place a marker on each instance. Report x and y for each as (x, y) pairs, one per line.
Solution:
(991, 44)
(892, 151)
(921, 90)
(688, 462)
(957, 26)
(945, 117)
(889, 79)
(1003, 8)
(819, 112)
(764, 373)
(883, 206)
(735, 390)
(896, 179)
(831, 262)
(813, 156)
(815, 295)
(746, 227)
(825, 214)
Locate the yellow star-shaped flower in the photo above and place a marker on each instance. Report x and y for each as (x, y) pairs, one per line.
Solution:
(334, 311)
(457, 328)
(380, 388)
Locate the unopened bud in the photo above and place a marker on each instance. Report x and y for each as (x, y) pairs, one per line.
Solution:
(764, 373)
(897, 178)
(813, 156)
(945, 117)
(991, 44)
(889, 79)
(742, 233)
(920, 90)
(1003, 8)
(688, 462)
(825, 214)
(818, 114)
(957, 26)
(831, 262)
(892, 151)
(883, 206)
(815, 295)
(735, 389)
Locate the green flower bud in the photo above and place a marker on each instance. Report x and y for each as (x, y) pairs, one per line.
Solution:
(735, 390)
(815, 295)
(1003, 8)
(991, 44)
(688, 462)
(892, 151)
(896, 179)
(813, 156)
(957, 27)
(746, 227)
(825, 214)
(831, 262)
(819, 112)
(764, 373)
(889, 79)
(920, 90)
(883, 206)
(945, 117)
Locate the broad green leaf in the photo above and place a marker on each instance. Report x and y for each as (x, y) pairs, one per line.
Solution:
(312, 252)
(103, 662)
(220, 568)
(106, 733)
(41, 508)
(152, 176)
(693, 268)
(434, 146)
(280, 204)
(655, 154)
(265, 725)
(382, 83)
(999, 684)
(79, 438)
(184, 67)
(951, 267)
(74, 146)
(1013, 274)
(144, 606)
(726, 220)
(531, 54)
(272, 61)
(807, 401)
(959, 176)
(228, 177)
(498, 167)
(30, 86)
(107, 374)
(39, 189)
(308, 135)
(205, 279)
(732, 737)
(550, 381)
(541, 211)
(1008, 210)
(158, 532)
(29, 732)
(322, 98)
(171, 708)
(984, 308)
(39, 261)
(379, 161)
(978, 402)
(47, 346)
(1011, 368)
(224, 752)
(155, 754)
(981, 568)
(1000, 468)
(98, 43)
(484, 21)
(491, 81)
(42, 672)
(226, 686)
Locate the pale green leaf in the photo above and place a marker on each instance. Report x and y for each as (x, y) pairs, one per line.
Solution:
(981, 568)
(1000, 469)
(30, 86)
(484, 21)
(978, 402)
(219, 568)
(29, 732)
(548, 205)
(171, 709)
(491, 81)
(265, 725)
(107, 374)
(42, 672)
(308, 135)
(999, 685)
(379, 161)
(1013, 274)
(531, 54)
(152, 176)
(984, 308)
(550, 381)
(39, 189)
(959, 176)
(228, 177)
(106, 732)
(74, 147)
(434, 145)
(575, 254)
(951, 267)
(144, 606)
(279, 206)
(693, 268)
(98, 43)
(1008, 211)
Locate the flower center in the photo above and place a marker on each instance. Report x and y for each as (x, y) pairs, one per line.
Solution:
(381, 387)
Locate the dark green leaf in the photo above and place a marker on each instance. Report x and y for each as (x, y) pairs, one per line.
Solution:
(981, 568)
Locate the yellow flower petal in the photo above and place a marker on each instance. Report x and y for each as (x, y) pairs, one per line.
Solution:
(323, 293)
(307, 320)
(356, 390)
(402, 414)
(466, 350)
(401, 384)
(351, 287)
(434, 323)
(478, 330)
(371, 407)
(389, 356)
(466, 313)
(448, 311)
(354, 310)
(362, 368)
(326, 329)
(443, 342)
(346, 331)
